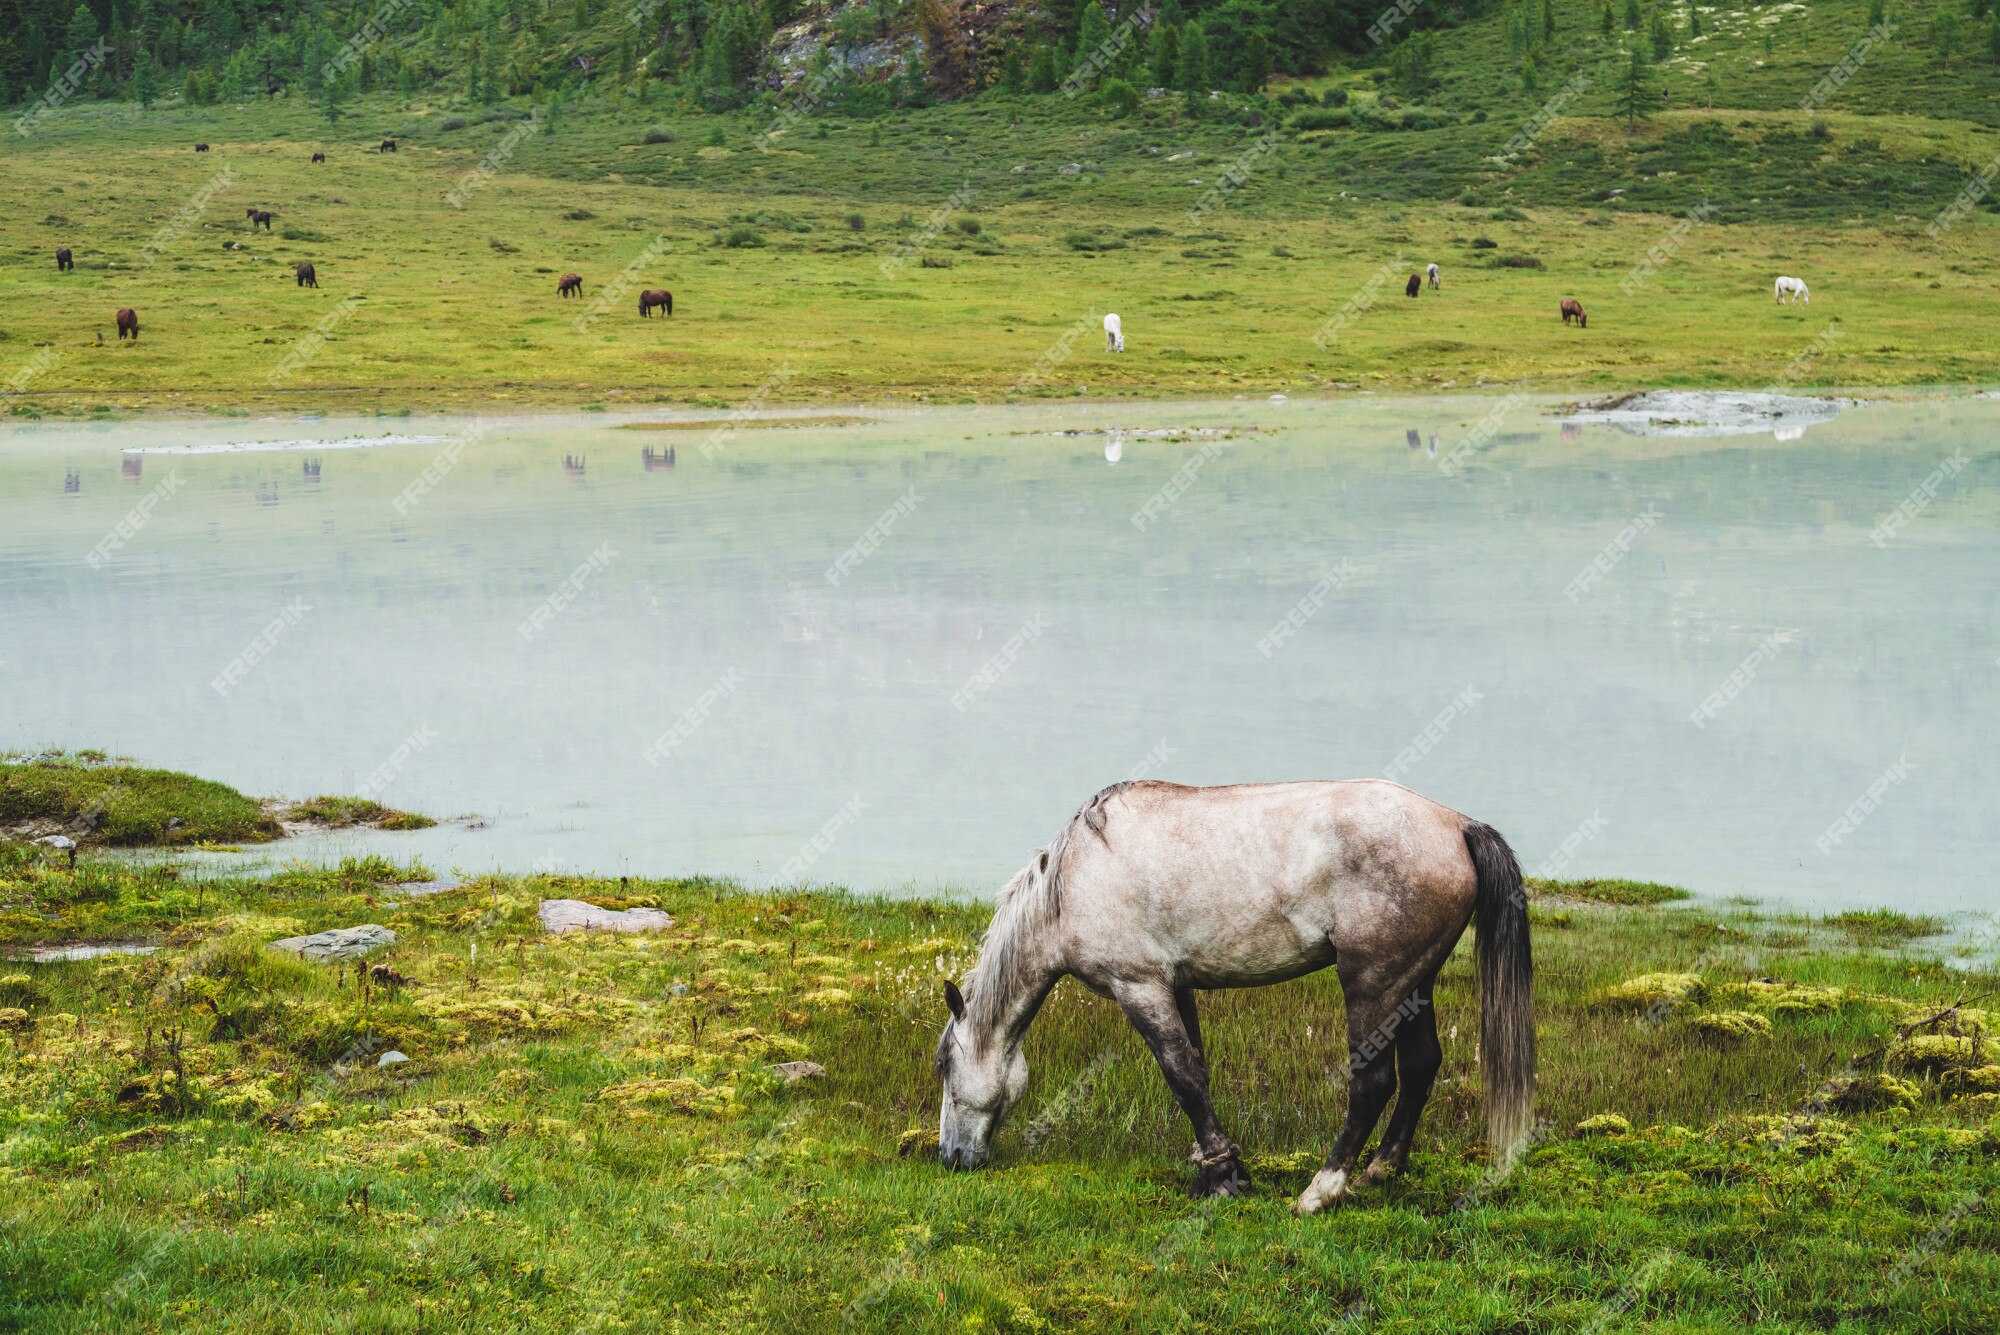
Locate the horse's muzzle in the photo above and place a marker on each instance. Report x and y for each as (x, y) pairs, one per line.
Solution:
(961, 1157)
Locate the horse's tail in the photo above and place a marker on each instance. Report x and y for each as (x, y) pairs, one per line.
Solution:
(1506, 992)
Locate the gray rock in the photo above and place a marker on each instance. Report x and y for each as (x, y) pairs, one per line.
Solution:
(1069, 169)
(678, 990)
(391, 1058)
(797, 1071)
(574, 915)
(341, 943)
(61, 843)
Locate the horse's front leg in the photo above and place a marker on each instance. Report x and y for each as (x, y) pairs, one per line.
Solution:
(1173, 1034)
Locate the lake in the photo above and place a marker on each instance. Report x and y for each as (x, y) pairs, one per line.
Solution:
(895, 649)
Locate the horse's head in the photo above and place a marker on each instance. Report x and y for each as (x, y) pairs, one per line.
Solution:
(984, 1076)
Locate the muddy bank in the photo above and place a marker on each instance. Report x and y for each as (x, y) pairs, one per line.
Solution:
(1722, 412)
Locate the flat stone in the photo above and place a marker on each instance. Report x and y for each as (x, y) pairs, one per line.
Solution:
(391, 1058)
(62, 843)
(341, 943)
(574, 915)
(797, 1071)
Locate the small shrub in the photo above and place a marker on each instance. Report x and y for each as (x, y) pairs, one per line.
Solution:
(934, 262)
(1517, 262)
(1604, 1124)
(659, 136)
(1120, 98)
(1321, 119)
(855, 222)
(743, 238)
(452, 123)
(1508, 214)
(1484, 243)
(1092, 241)
(1872, 1093)
(969, 226)
(1650, 990)
(1730, 1026)
(1334, 97)
(579, 215)
(1933, 1053)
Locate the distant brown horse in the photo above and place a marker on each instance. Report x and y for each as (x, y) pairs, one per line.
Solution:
(306, 276)
(570, 284)
(1414, 286)
(201, 148)
(319, 157)
(655, 296)
(258, 216)
(1572, 307)
(63, 262)
(387, 146)
(128, 323)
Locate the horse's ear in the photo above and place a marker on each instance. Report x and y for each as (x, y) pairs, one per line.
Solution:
(954, 999)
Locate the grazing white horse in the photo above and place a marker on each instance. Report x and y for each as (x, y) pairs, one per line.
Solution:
(1787, 288)
(1431, 272)
(1114, 333)
(1155, 892)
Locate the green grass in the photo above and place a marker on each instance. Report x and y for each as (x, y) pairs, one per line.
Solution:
(587, 1134)
(339, 813)
(1610, 891)
(97, 802)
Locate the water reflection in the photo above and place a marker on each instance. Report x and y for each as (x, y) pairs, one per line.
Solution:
(657, 461)
(1301, 602)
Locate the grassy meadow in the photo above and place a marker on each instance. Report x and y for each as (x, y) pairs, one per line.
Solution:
(910, 259)
(590, 1134)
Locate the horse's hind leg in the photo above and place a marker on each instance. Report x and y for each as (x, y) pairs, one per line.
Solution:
(1371, 1065)
(1166, 1020)
(1418, 1057)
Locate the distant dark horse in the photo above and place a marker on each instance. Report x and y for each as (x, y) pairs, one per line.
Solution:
(1572, 307)
(128, 323)
(63, 262)
(201, 148)
(319, 157)
(655, 296)
(570, 284)
(258, 216)
(1415, 286)
(306, 276)
(387, 146)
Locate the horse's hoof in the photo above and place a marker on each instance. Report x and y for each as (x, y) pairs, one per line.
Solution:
(1224, 1179)
(1378, 1173)
(1328, 1187)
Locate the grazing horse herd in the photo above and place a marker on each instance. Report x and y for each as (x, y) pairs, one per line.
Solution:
(1787, 289)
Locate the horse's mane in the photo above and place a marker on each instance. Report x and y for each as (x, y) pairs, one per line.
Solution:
(1030, 902)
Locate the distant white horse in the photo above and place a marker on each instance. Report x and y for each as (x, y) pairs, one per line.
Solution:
(1431, 272)
(1787, 288)
(1114, 334)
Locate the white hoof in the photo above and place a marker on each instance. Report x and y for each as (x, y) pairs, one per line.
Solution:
(1328, 1187)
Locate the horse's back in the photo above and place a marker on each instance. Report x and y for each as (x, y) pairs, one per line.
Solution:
(1254, 883)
